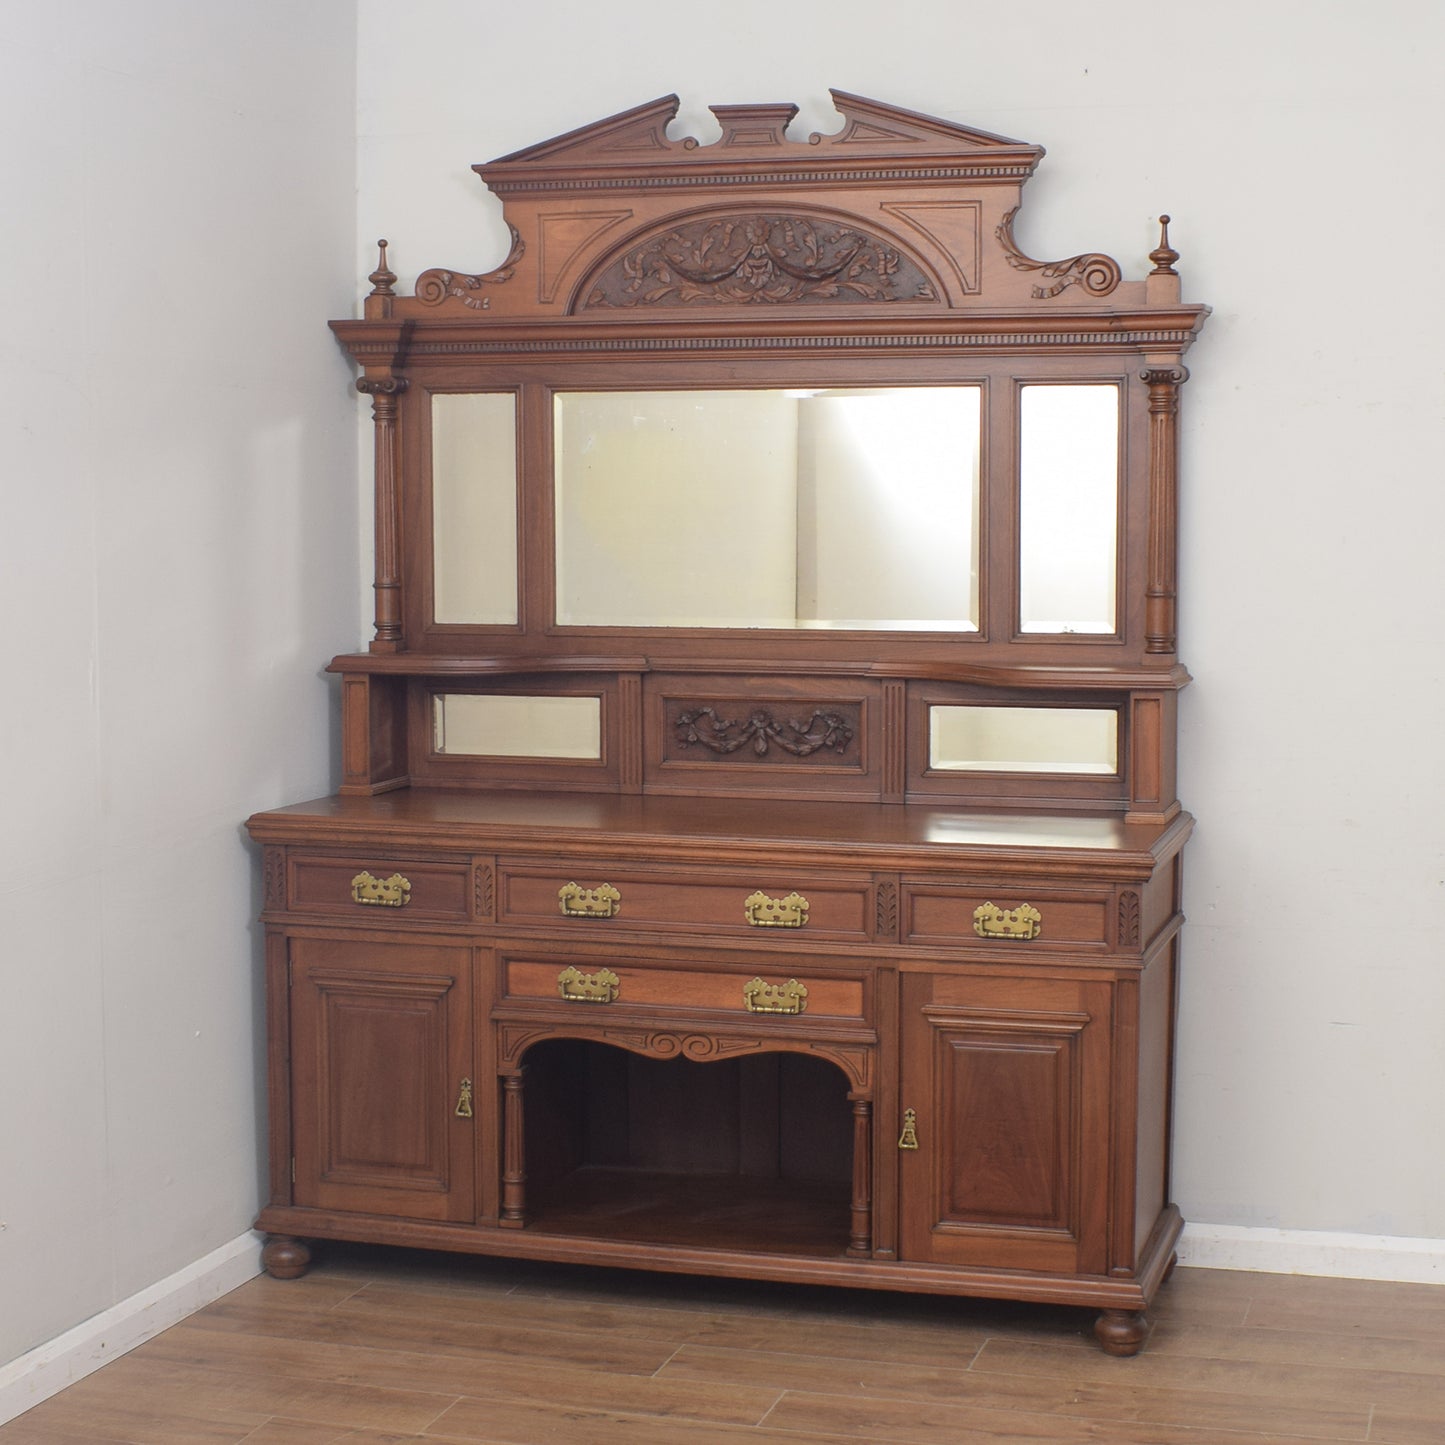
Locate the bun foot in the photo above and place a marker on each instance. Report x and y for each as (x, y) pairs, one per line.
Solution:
(1122, 1332)
(284, 1257)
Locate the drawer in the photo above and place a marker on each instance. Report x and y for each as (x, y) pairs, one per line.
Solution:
(1006, 915)
(788, 990)
(377, 890)
(761, 903)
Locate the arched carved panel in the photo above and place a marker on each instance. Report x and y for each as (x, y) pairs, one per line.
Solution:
(759, 257)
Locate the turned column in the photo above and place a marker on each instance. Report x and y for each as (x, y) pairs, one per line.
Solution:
(1160, 625)
(860, 1221)
(514, 1153)
(384, 392)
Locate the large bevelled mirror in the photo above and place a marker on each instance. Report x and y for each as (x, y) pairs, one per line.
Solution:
(832, 508)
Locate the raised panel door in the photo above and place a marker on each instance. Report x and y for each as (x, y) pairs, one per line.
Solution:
(381, 1037)
(1008, 1081)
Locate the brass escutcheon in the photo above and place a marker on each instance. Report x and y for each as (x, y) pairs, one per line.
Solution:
(578, 987)
(1020, 924)
(775, 998)
(464, 1100)
(764, 912)
(393, 892)
(604, 901)
(908, 1139)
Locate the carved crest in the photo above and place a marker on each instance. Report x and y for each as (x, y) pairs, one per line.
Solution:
(895, 212)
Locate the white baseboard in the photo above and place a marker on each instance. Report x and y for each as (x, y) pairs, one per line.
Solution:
(49, 1368)
(1308, 1251)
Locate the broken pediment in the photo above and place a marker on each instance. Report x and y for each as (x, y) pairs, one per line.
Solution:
(894, 213)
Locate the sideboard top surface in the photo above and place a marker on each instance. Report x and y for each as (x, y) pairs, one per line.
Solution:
(696, 828)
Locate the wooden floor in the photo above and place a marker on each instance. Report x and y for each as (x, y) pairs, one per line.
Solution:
(387, 1346)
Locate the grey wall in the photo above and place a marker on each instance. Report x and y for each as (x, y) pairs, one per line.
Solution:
(177, 560)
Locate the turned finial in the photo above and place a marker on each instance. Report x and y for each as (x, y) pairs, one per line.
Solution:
(382, 278)
(1165, 257)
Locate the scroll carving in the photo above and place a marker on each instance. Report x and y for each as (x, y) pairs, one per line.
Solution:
(703, 726)
(855, 1060)
(434, 286)
(747, 259)
(1097, 274)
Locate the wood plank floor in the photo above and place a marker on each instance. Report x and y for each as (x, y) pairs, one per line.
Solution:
(378, 1347)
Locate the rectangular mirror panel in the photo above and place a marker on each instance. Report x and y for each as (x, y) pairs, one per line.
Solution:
(836, 508)
(1068, 508)
(496, 725)
(1023, 739)
(474, 507)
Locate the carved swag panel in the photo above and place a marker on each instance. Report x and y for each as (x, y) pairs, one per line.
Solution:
(759, 258)
(828, 733)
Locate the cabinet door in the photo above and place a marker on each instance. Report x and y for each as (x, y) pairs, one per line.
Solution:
(381, 1041)
(1009, 1082)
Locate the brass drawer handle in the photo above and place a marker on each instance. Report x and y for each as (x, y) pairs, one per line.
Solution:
(775, 998)
(764, 912)
(393, 892)
(604, 901)
(464, 1100)
(908, 1139)
(578, 987)
(1020, 924)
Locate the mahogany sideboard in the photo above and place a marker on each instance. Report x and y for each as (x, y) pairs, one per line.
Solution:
(758, 850)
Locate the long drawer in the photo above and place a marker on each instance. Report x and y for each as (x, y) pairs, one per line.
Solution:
(802, 992)
(771, 904)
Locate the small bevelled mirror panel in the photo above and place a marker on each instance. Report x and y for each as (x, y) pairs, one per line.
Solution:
(832, 508)
(1068, 508)
(502, 725)
(474, 508)
(969, 738)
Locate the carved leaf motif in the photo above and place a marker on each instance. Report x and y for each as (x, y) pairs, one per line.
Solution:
(275, 885)
(1129, 919)
(887, 910)
(762, 259)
